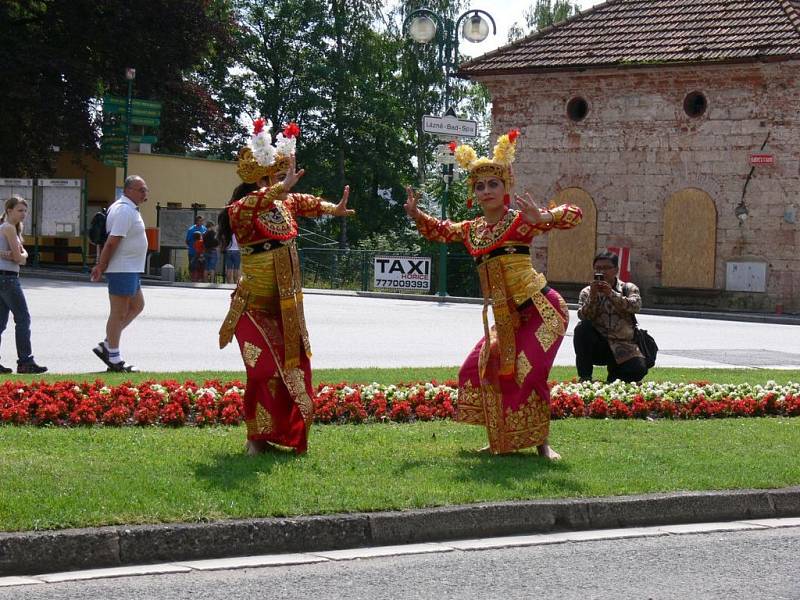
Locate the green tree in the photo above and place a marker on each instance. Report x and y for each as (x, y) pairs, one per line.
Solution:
(360, 138)
(543, 14)
(60, 56)
(546, 13)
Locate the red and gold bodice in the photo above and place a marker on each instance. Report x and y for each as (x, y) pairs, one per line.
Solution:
(506, 242)
(480, 237)
(269, 214)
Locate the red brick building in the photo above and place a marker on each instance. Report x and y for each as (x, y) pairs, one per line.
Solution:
(649, 114)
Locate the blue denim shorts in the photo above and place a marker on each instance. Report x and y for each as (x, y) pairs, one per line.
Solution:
(233, 259)
(211, 261)
(123, 284)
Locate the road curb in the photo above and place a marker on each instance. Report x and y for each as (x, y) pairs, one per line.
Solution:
(29, 553)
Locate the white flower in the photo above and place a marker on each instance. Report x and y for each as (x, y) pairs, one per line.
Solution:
(285, 146)
(263, 151)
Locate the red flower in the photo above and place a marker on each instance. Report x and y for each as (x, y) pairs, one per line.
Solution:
(792, 405)
(172, 414)
(598, 409)
(291, 130)
(452, 146)
(116, 415)
(423, 413)
(258, 126)
(619, 410)
(147, 412)
(640, 407)
(231, 414)
(400, 412)
(513, 135)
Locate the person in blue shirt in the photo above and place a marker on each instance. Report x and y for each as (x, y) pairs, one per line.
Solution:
(190, 237)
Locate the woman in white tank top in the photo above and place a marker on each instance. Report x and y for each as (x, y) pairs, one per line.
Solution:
(12, 300)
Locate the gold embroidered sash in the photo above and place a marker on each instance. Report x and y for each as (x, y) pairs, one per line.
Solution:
(238, 306)
(506, 318)
(290, 295)
(290, 290)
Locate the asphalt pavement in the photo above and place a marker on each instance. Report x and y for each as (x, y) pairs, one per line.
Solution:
(714, 561)
(178, 331)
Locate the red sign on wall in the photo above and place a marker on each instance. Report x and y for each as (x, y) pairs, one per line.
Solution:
(624, 255)
(762, 159)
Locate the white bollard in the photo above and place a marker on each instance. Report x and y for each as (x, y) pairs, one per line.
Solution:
(167, 273)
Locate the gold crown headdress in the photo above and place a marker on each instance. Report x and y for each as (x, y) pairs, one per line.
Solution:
(260, 158)
(498, 166)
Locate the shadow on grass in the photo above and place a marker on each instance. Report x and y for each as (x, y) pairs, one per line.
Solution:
(228, 471)
(504, 470)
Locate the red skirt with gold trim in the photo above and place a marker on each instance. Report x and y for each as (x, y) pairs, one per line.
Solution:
(516, 409)
(277, 401)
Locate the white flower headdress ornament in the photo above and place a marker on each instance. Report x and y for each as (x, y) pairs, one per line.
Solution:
(261, 158)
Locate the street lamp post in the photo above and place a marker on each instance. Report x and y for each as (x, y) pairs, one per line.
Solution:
(130, 75)
(425, 26)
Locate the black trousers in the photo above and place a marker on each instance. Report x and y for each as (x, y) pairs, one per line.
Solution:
(591, 349)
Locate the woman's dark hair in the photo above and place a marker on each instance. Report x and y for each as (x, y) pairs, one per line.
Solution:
(224, 232)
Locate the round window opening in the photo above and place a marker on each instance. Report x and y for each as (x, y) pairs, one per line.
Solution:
(577, 109)
(695, 104)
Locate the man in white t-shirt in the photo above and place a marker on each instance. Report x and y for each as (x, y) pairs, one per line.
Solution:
(122, 261)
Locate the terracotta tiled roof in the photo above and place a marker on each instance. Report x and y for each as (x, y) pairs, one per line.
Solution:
(623, 32)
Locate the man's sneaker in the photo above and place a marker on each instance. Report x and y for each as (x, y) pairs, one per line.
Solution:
(101, 351)
(121, 367)
(5, 370)
(30, 367)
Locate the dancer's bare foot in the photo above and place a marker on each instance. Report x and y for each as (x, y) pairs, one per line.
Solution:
(545, 451)
(255, 447)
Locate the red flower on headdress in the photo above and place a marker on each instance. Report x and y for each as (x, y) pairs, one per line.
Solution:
(513, 135)
(291, 130)
(258, 126)
(452, 146)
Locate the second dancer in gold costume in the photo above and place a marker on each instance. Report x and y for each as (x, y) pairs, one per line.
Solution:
(503, 381)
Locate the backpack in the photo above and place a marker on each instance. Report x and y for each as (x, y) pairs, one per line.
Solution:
(646, 343)
(97, 228)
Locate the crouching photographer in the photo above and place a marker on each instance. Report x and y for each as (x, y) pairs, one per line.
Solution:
(606, 332)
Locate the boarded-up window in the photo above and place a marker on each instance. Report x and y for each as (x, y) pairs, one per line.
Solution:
(690, 238)
(570, 251)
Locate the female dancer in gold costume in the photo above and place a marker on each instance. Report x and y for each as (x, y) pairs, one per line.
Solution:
(266, 313)
(503, 381)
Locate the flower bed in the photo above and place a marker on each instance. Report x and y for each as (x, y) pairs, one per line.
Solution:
(170, 403)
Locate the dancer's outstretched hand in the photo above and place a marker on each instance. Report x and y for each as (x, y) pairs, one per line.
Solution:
(412, 198)
(292, 175)
(341, 209)
(529, 209)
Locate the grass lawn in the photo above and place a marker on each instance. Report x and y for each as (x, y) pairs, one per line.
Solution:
(409, 374)
(57, 477)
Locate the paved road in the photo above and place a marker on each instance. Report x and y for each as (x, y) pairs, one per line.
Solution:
(728, 566)
(178, 331)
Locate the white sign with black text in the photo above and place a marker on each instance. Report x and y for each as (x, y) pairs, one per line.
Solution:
(403, 273)
(449, 126)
